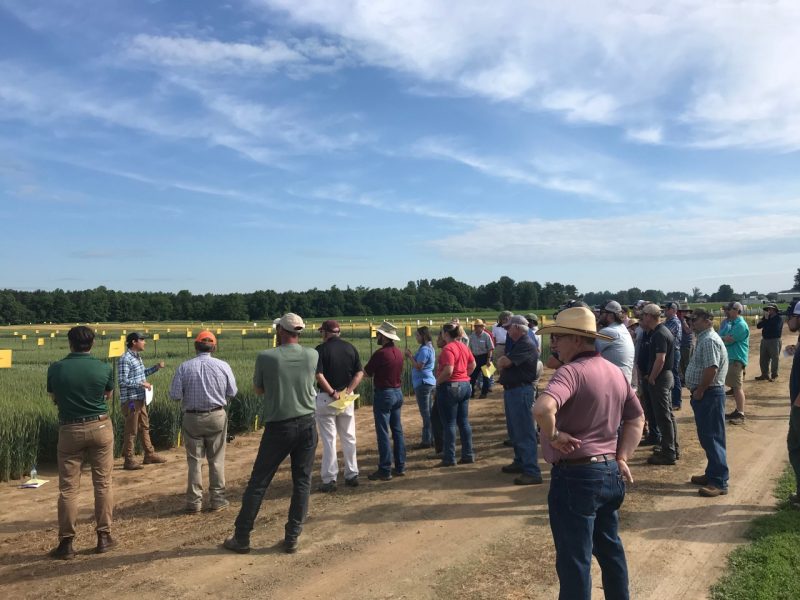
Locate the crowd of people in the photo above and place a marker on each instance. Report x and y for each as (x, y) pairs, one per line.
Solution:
(617, 383)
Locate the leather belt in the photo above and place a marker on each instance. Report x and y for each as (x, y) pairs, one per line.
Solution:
(103, 417)
(586, 460)
(203, 412)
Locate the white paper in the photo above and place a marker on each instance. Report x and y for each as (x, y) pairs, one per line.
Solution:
(148, 396)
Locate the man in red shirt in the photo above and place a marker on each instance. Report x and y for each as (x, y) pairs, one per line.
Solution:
(385, 367)
(579, 415)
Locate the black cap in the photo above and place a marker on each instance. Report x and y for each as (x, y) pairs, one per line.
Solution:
(134, 336)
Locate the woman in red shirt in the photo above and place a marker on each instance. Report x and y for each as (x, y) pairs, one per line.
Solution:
(452, 395)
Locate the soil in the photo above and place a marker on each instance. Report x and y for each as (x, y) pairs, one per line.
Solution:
(464, 532)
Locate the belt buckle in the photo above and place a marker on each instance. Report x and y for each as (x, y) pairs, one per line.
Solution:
(593, 460)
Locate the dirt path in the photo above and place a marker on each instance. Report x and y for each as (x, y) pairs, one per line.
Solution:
(466, 532)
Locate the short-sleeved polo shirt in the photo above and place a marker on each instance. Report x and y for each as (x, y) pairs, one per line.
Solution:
(79, 382)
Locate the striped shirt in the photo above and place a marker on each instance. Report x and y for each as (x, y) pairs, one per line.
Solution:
(709, 352)
(203, 383)
(130, 376)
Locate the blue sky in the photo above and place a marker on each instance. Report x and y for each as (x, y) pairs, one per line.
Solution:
(150, 145)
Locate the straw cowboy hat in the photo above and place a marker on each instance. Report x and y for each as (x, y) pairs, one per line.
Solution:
(575, 321)
(388, 330)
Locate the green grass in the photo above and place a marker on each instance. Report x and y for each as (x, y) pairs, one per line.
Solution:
(767, 568)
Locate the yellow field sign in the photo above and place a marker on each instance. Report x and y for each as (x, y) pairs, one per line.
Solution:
(219, 331)
(244, 331)
(408, 330)
(156, 337)
(116, 349)
(52, 335)
(24, 336)
(5, 359)
(188, 333)
(373, 332)
(40, 341)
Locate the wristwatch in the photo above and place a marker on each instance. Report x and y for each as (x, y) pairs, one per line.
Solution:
(554, 437)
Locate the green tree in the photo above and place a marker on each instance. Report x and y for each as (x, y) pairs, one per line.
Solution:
(797, 280)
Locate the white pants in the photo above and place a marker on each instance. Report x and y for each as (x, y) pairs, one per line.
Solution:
(328, 424)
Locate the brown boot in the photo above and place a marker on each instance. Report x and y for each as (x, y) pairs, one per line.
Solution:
(131, 465)
(104, 542)
(154, 459)
(64, 551)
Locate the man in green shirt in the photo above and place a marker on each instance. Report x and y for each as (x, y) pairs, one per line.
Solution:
(81, 385)
(285, 377)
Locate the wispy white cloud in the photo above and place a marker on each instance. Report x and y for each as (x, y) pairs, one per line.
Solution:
(647, 135)
(450, 150)
(722, 68)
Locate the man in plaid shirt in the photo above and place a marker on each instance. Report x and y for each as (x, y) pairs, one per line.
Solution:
(132, 378)
(705, 377)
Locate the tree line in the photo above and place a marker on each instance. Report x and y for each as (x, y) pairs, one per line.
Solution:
(424, 296)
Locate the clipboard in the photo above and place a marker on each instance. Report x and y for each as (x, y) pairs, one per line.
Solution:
(148, 396)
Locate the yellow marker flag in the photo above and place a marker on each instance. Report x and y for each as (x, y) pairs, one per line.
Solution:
(52, 335)
(124, 332)
(103, 332)
(116, 349)
(219, 331)
(275, 340)
(269, 329)
(40, 341)
(373, 332)
(24, 337)
(244, 331)
(37, 331)
(16, 333)
(57, 331)
(169, 330)
(408, 330)
(156, 337)
(188, 333)
(5, 359)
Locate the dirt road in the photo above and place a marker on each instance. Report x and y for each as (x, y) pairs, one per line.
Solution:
(465, 532)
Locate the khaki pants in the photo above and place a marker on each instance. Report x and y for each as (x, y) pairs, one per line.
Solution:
(204, 436)
(770, 353)
(96, 437)
(136, 420)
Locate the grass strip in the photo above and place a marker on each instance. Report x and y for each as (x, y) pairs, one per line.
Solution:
(766, 569)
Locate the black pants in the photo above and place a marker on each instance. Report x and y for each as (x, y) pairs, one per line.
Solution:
(660, 398)
(480, 360)
(296, 438)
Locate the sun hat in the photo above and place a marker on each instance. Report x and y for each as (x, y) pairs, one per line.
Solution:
(330, 326)
(771, 306)
(388, 330)
(291, 322)
(206, 337)
(575, 321)
(478, 323)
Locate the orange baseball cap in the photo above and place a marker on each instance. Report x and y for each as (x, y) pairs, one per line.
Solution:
(205, 337)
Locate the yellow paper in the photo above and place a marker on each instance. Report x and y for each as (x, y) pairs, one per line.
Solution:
(344, 401)
(116, 348)
(488, 370)
(5, 359)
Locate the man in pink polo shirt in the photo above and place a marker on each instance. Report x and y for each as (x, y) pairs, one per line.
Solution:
(579, 415)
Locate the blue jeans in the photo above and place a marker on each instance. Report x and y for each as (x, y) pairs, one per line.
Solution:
(424, 392)
(521, 428)
(454, 410)
(584, 501)
(386, 406)
(709, 416)
(296, 438)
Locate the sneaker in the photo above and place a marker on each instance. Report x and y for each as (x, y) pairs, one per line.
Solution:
(699, 480)
(434, 456)
(352, 482)
(154, 459)
(64, 550)
(467, 461)
(397, 473)
(649, 441)
(238, 546)
(290, 545)
(219, 507)
(735, 418)
(192, 509)
(512, 468)
(327, 487)
(446, 464)
(661, 459)
(657, 450)
(508, 443)
(482, 396)
(710, 491)
(762, 378)
(526, 479)
(379, 476)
